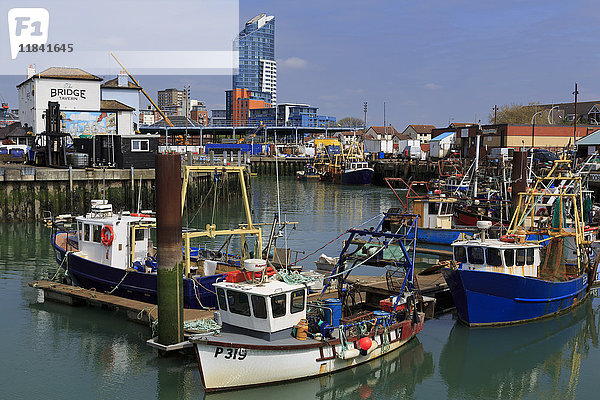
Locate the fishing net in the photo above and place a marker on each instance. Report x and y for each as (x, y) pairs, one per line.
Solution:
(553, 265)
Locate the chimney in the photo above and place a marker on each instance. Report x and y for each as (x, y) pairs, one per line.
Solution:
(122, 79)
(30, 71)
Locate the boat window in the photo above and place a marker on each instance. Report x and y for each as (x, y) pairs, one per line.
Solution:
(520, 257)
(529, 256)
(297, 303)
(278, 305)
(96, 236)
(80, 230)
(139, 235)
(460, 254)
(475, 255)
(86, 232)
(492, 256)
(222, 300)
(433, 208)
(238, 303)
(259, 306)
(509, 257)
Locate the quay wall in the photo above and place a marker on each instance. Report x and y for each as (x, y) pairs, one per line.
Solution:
(285, 165)
(27, 193)
(418, 170)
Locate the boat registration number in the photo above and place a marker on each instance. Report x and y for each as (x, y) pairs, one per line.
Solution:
(231, 354)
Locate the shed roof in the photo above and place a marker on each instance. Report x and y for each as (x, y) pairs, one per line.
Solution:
(593, 139)
(442, 136)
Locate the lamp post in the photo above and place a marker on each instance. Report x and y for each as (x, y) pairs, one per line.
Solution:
(550, 113)
(533, 128)
(533, 138)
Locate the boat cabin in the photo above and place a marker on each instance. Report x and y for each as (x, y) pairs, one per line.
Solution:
(118, 240)
(436, 212)
(493, 255)
(266, 308)
(358, 165)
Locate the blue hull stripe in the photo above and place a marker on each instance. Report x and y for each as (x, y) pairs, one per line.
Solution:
(552, 299)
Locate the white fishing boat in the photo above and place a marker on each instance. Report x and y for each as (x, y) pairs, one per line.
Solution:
(270, 333)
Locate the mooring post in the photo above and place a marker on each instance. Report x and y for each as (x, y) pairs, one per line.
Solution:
(132, 190)
(170, 257)
(71, 189)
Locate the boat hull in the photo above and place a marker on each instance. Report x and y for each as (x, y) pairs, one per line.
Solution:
(226, 366)
(132, 284)
(438, 236)
(362, 176)
(490, 298)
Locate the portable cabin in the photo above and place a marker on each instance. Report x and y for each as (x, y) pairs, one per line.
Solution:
(113, 239)
(493, 255)
(264, 310)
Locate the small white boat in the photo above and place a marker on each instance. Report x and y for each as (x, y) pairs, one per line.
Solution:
(270, 333)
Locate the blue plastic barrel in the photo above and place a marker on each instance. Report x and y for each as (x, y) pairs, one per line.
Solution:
(381, 154)
(335, 305)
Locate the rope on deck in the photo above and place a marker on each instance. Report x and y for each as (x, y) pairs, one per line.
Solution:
(295, 278)
(202, 325)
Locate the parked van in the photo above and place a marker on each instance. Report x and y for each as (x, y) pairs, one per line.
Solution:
(412, 152)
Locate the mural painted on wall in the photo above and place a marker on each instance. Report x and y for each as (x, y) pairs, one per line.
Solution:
(83, 123)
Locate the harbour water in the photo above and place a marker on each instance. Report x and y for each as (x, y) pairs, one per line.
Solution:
(55, 351)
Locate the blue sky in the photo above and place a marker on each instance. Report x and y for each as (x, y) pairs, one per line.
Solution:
(431, 61)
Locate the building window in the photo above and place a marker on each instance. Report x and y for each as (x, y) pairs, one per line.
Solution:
(140, 145)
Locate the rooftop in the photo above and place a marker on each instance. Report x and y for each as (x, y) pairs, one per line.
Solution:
(113, 83)
(64, 73)
(422, 128)
(114, 105)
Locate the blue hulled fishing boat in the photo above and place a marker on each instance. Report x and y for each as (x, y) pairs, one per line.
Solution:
(515, 278)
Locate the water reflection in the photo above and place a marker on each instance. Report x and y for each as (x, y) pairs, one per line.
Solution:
(541, 357)
(394, 375)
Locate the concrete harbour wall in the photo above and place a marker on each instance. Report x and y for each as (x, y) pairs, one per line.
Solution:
(26, 193)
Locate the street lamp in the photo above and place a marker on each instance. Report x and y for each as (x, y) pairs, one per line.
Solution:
(550, 113)
(533, 127)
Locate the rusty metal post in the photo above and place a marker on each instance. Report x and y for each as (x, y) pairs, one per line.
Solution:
(170, 256)
(518, 177)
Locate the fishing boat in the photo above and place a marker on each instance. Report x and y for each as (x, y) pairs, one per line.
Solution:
(348, 167)
(114, 253)
(435, 211)
(356, 173)
(309, 173)
(516, 278)
(270, 333)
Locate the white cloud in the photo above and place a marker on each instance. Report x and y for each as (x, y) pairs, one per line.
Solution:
(432, 86)
(294, 62)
